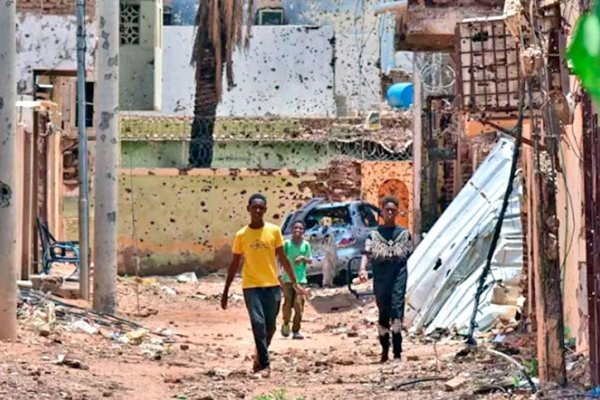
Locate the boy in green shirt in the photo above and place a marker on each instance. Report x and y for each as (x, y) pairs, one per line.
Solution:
(297, 251)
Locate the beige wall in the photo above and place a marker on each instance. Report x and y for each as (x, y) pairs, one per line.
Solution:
(375, 174)
(570, 212)
(188, 221)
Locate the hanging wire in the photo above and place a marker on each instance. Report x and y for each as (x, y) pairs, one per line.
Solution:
(481, 287)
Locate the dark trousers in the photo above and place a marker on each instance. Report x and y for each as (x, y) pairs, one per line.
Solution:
(389, 295)
(263, 307)
(292, 301)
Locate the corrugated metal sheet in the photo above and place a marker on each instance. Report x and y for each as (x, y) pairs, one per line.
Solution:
(444, 269)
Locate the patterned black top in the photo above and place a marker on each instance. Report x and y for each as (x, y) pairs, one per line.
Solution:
(388, 249)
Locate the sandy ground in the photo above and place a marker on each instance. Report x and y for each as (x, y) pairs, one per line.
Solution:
(203, 352)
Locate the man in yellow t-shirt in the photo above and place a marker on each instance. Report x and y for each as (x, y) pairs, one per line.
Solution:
(261, 245)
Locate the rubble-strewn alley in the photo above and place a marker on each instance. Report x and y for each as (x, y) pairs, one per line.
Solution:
(189, 348)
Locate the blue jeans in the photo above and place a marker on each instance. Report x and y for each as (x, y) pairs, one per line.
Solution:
(263, 307)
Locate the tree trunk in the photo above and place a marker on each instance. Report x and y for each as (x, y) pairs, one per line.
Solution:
(205, 111)
(107, 157)
(8, 173)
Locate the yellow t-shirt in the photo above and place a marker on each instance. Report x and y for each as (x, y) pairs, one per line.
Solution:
(258, 248)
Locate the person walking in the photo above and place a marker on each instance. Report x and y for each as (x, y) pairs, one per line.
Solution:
(259, 243)
(387, 249)
(298, 253)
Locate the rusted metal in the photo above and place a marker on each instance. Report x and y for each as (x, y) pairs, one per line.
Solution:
(489, 74)
(591, 143)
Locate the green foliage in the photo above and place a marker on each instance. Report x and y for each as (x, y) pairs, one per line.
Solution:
(584, 52)
(532, 367)
(280, 394)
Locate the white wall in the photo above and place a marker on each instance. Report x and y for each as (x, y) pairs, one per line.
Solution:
(48, 42)
(287, 71)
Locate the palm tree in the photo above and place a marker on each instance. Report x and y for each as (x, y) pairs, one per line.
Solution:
(218, 32)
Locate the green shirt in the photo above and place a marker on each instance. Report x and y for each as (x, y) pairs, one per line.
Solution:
(292, 251)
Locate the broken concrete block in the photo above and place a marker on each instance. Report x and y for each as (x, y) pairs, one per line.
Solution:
(455, 384)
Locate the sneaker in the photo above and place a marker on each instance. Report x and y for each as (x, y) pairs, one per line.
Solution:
(285, 330)
(297, 336)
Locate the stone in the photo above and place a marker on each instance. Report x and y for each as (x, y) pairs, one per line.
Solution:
(455, 384)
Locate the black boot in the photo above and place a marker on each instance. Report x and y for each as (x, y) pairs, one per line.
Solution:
(397, 345)
(385, 346)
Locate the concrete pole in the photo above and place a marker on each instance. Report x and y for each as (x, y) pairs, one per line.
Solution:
(84, 217)
(8, 172)
(107, 156)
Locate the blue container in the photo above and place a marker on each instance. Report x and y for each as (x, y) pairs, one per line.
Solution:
(400, 95)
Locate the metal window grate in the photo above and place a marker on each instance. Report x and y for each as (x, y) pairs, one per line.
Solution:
(489, 74)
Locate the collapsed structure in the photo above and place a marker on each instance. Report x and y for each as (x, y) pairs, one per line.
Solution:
(444, 270)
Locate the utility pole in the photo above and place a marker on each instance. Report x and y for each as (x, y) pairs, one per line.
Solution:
(107, 156)
(548, 293)
(8, 171)
(84, 211)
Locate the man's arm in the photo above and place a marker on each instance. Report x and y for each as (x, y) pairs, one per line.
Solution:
(308, 259)
(283, 260)
(362, 272)
(234, 267)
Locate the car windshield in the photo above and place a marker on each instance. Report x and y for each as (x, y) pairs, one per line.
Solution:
(332, 216)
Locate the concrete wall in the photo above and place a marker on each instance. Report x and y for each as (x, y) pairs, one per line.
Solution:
(140, 65)
(48, 42)
(375, 174)
(359, 39)
(185, 219)
(187, 222)
(569, 207)
(286, 71)
(264, 155)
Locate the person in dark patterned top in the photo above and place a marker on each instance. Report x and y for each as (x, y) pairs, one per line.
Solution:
(387, 249)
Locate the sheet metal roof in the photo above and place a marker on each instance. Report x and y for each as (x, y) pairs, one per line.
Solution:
(444, 269)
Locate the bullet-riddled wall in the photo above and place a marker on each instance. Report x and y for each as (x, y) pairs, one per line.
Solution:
(184, 220)
(382, 178)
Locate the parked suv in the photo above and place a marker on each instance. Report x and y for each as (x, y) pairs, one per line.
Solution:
(334, 230)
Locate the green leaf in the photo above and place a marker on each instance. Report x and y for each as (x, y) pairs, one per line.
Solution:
(584, 53)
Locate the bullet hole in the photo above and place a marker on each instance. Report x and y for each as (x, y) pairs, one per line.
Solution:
(172, 220)
(5, 195)
(202, 203)
(128, 191)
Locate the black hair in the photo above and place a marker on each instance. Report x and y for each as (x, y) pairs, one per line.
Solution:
(257, 196)
(390, 199)
(299, 221)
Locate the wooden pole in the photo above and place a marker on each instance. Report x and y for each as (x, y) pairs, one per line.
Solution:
(8, 172)
(548, 279)
(107, 156)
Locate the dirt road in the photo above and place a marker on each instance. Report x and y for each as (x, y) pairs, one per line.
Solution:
(203, 352)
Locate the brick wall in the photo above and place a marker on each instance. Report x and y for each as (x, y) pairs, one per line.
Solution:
(53, 7)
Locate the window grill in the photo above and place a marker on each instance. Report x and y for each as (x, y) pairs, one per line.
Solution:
(489, 74)
(130, 24)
